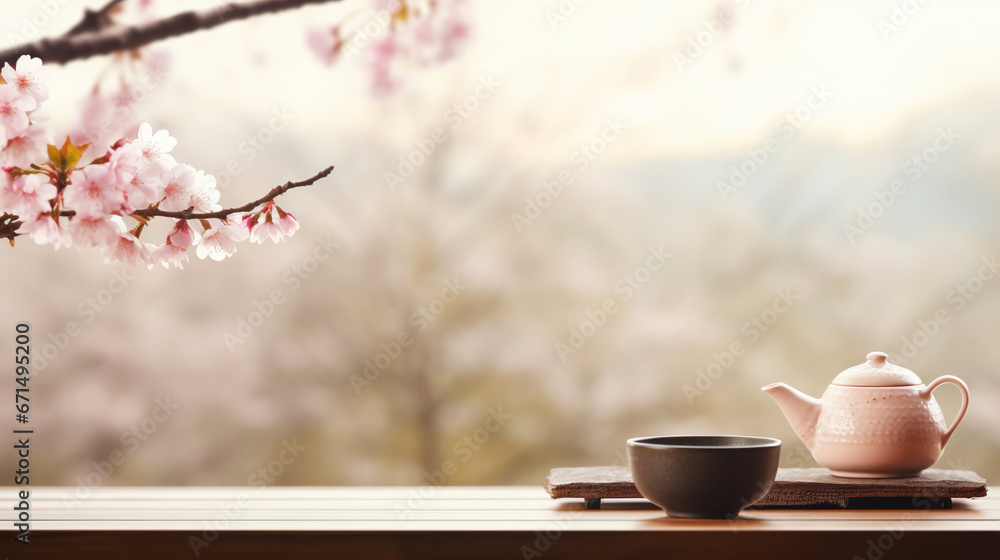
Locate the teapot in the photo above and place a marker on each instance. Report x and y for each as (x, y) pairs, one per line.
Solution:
(876, 420)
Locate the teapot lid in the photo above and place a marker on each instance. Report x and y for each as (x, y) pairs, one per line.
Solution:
(876, 372)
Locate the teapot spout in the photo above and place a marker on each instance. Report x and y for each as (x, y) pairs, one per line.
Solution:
(801, 410)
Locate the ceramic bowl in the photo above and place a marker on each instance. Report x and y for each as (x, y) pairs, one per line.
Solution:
(703, 476)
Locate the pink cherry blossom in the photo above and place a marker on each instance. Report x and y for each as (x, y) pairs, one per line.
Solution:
(325, 42)
(287, 223)
(379, 59)
(88, 231)
(29, 146)
(127, 249)
(220, 241)
(14, 107)
(182, 235)
(25, 195)
(141, 181)
(178, 189)
(169, 254)
(204, 193)
(94, 192)
(126, 161)
(95, 124)
(44, 230)
(270, 221)
(263, 229)
(29, 78)
(98, 197)
(40, 115)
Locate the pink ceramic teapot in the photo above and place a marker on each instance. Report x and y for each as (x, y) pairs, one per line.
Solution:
(877, 420)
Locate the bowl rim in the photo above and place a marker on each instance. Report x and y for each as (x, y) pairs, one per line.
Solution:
(765, 442)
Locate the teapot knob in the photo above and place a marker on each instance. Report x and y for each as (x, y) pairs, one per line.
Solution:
(877, 358)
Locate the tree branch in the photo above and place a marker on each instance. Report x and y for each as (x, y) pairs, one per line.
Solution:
(94, 20)
(60, 50)
(9, 223)
(275, 192)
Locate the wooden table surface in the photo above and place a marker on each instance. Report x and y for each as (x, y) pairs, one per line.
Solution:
(465, 522)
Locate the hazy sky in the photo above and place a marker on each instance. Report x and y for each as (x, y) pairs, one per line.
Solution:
(603, 59)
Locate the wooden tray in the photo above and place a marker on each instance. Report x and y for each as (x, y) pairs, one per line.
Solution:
(804, 488)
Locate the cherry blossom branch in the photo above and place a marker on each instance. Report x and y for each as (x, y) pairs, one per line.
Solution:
(80, 45)
(94, 20)
(275, 192)
(9, 223)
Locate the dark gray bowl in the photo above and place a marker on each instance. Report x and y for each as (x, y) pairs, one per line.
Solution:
(703, 476)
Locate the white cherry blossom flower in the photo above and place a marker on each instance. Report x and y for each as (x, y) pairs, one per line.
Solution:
(44, 230)
(178, 189)
(88, 231)
(287, 223)
(156, 147)
(128, 249)
(220, 241)
(29, 77)
(182, 235)
(169, 254)
(263, 229)
(141, 181)
(204, 194)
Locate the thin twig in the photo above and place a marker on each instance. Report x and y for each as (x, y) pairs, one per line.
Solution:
(9, 223)
(60, 50)
(94, 20)
(275, 192)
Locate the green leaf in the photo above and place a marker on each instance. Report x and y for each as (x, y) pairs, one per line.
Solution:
(72, 155)
(55, 156)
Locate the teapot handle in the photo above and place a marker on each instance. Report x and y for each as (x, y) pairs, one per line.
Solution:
(965, 401)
